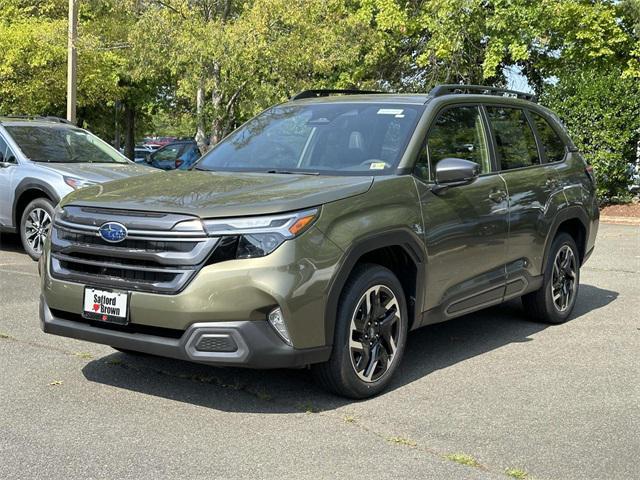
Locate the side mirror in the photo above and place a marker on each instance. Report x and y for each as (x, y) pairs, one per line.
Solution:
(452, 172)
(6, 162)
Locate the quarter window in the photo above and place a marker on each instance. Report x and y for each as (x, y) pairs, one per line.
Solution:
(552, 144)
(457, 133)
(5, 152)
(515, 142)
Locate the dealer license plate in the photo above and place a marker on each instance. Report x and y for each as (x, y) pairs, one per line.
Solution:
(106, 306)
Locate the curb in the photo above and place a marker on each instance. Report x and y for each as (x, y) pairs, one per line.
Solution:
(620, 220)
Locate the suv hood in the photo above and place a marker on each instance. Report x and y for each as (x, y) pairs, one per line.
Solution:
(219, 194)
(98, 172)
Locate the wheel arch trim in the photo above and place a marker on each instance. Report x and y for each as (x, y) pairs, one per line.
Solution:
(401, 237)
(25, 186)
(572, 212)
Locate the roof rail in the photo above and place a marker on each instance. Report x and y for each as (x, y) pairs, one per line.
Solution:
(48, 118)
(327, 92)
(440, 90)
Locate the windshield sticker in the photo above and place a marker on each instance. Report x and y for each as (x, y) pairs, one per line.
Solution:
(390, 111)
(377, 166)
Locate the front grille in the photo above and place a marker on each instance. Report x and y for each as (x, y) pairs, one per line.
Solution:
(152, 258)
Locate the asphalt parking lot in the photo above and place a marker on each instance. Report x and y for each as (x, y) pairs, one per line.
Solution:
(490, 389)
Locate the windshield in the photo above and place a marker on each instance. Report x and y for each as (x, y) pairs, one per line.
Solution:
(332, 138)
(62, 144)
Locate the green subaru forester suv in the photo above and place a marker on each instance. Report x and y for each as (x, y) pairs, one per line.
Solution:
(321, 232)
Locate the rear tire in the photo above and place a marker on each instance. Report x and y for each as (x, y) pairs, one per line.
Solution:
(370, 334)
(554, 301)
(35, 226)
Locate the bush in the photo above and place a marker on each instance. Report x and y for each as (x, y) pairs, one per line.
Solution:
(601, 111)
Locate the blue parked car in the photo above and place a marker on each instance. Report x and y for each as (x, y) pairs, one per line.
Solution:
(177, 155)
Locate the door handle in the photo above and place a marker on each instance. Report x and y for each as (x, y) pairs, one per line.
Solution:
(497, 196)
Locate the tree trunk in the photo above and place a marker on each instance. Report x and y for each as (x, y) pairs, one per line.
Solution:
(201, 136)
(116, 127)
(217, 125)
(130, 138)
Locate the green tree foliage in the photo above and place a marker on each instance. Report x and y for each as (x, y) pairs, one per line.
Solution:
(32, 58)
(204, 66)
(602, 114)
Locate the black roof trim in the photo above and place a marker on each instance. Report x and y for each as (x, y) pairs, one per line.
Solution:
(327, 92)
(440, 90)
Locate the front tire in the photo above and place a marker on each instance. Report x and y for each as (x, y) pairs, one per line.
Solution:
(35, 226)
(554, 301)
(370, 334)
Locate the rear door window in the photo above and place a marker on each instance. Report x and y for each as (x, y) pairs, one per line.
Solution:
(515, 142)
(552, 145)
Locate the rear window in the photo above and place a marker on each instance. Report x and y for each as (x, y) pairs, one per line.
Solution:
(553, 146)
(62, 144)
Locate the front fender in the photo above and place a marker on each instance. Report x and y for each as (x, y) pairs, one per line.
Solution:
(388, 215)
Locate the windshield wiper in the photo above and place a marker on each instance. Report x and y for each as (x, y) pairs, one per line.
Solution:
(279, 172)
(288, 172)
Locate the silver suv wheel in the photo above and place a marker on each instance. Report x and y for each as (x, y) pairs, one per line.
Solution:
(37, 228)
(375, 327)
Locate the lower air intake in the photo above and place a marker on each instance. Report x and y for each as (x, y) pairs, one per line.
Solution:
(216, 343)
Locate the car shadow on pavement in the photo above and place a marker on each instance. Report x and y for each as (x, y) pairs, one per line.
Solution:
(429, 349)
(10, 242)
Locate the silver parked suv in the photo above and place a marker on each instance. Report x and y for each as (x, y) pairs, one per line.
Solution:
(42, 159)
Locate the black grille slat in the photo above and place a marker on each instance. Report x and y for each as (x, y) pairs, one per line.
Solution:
(128, 213)
(128, 244)
(124, 263)
(118, 273)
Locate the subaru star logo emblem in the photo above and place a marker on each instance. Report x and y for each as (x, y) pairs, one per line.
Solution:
(113, 232)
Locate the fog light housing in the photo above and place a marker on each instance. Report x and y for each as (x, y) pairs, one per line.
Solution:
(276, 319)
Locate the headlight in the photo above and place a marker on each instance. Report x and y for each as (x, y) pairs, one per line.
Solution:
(251, 237)
(288, 225)
(258, 245)
(77, 183)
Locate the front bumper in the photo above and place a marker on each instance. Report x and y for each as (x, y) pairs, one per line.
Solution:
(256, 344)
(295, 278)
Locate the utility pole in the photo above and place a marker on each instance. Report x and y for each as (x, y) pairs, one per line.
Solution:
(72, 61)
(117, 126)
